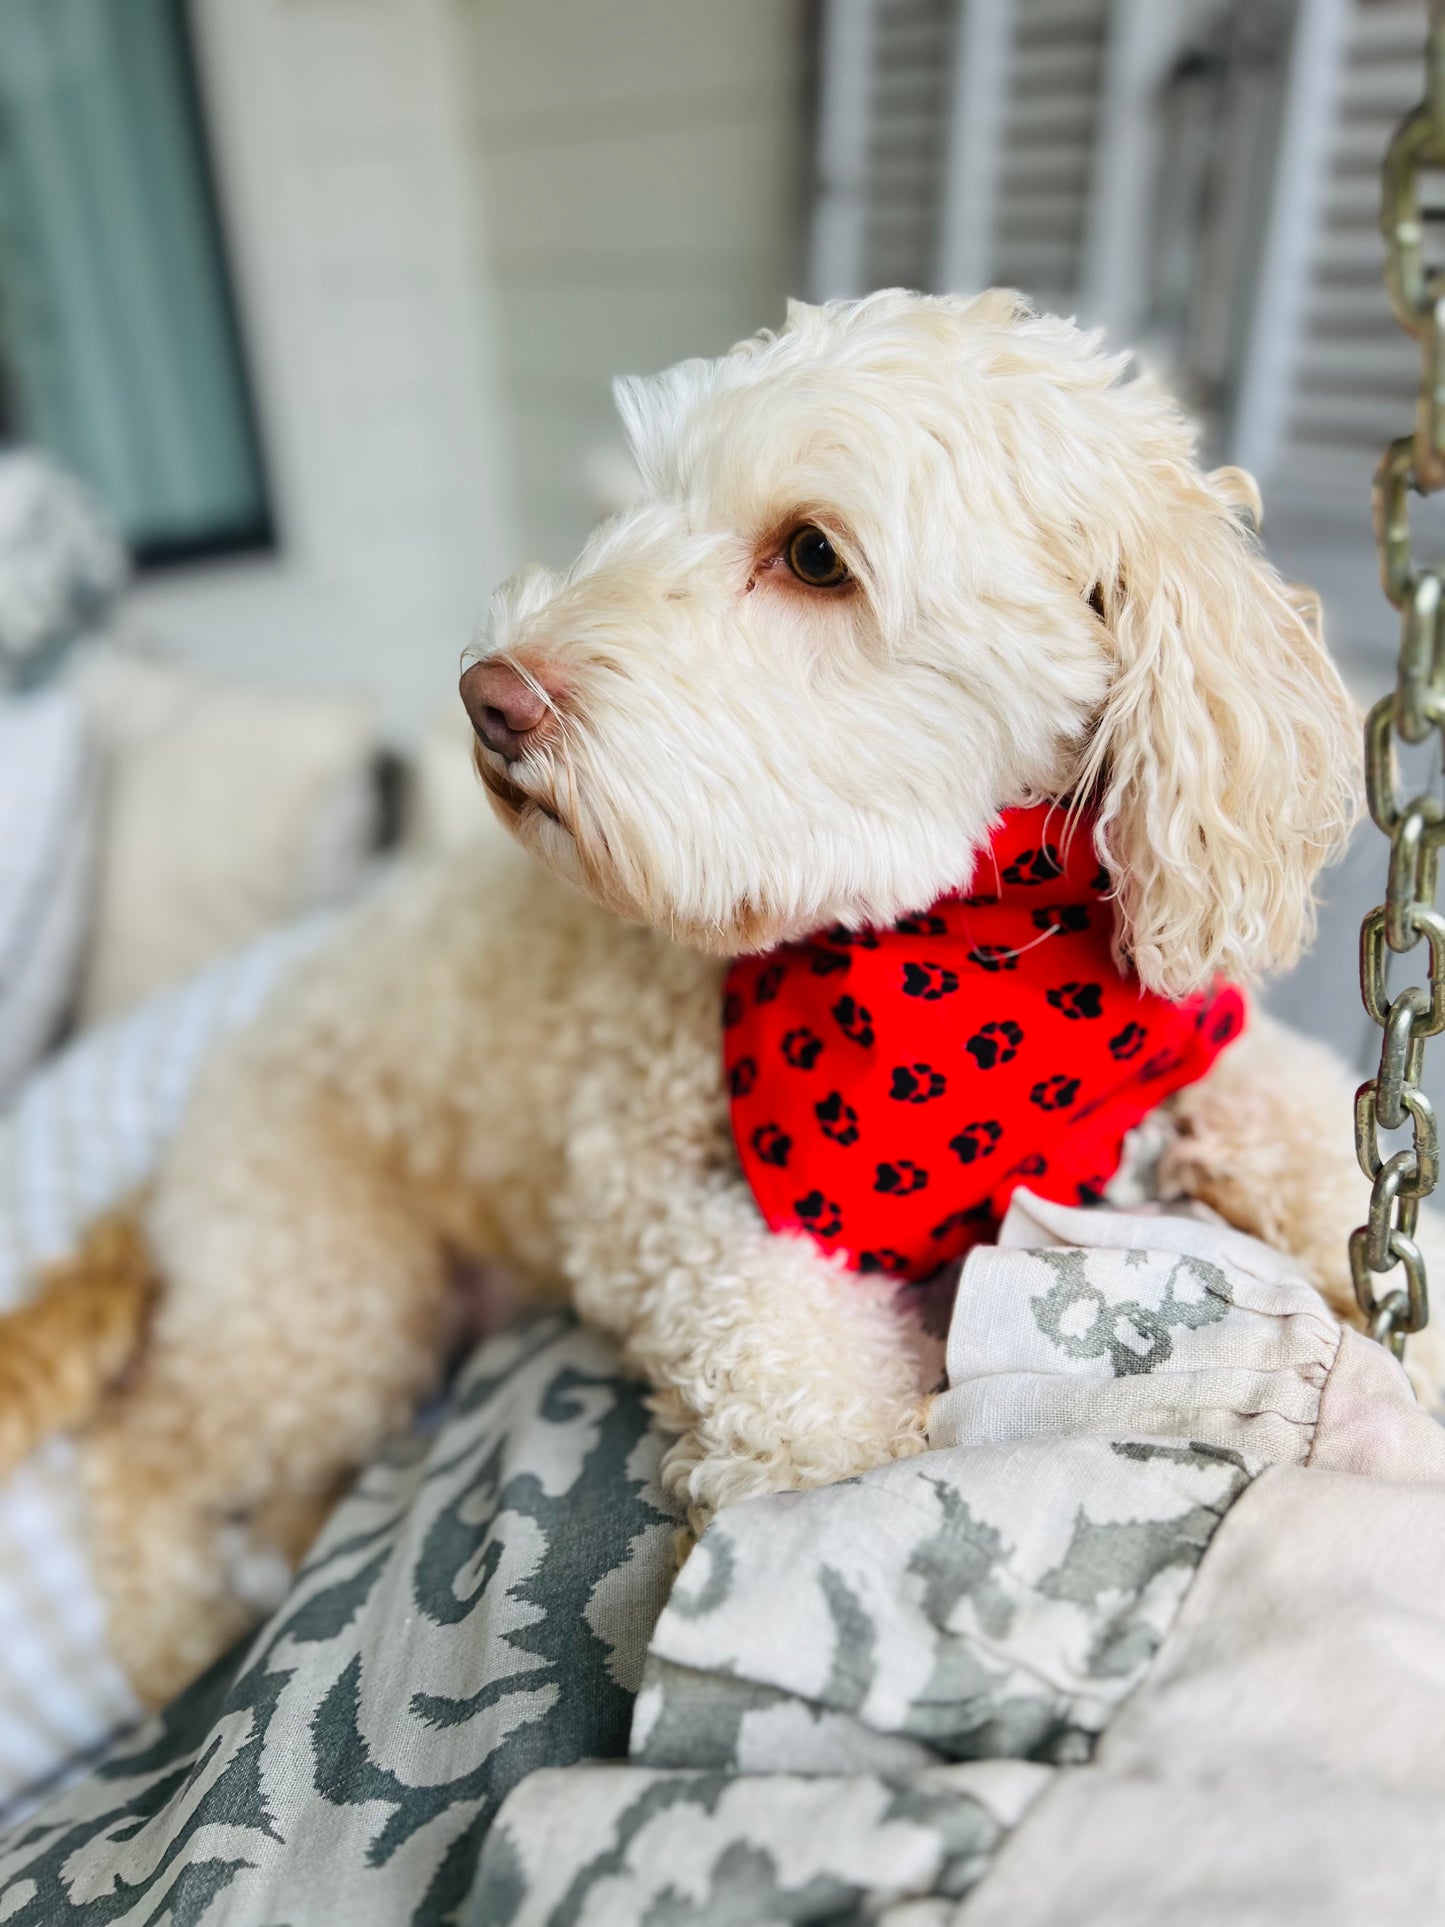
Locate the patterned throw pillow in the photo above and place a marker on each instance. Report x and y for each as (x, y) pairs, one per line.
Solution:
(62, 564)
(199, 853)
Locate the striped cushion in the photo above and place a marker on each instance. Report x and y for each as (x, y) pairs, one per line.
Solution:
(47, 837)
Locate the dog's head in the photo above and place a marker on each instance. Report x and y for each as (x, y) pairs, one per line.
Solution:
(905, 564)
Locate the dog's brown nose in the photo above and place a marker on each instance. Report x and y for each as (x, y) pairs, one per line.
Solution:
(510, 713)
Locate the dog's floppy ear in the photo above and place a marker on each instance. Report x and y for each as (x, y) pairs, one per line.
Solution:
(1224, 762)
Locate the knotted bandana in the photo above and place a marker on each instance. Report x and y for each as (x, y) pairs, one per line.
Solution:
(891, 1088)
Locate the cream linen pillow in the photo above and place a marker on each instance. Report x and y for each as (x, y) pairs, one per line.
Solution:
(228, 810)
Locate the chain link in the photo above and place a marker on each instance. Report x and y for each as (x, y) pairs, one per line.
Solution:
(1393, 1100)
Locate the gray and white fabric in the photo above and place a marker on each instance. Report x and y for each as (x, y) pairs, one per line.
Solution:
(479, 1607)
(48, 803)
(1164, 1324)
(62, 564)
(1059, 1669)
(942, 1636)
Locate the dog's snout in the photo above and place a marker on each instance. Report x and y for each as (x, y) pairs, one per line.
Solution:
(510, 712)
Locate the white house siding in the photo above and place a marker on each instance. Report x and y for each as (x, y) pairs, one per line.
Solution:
(640, 170)
(347, 182)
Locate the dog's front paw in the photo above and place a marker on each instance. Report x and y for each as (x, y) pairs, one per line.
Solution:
(720, 1462)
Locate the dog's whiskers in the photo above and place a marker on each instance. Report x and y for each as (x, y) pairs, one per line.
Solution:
(538, 689)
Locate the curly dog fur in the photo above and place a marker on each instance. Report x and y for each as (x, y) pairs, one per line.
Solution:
(1045, 596)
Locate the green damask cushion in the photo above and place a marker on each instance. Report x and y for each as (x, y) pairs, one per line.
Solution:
(479, 1607)
(852, 1699)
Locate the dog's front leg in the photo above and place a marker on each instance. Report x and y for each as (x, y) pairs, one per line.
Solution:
(776, 1368)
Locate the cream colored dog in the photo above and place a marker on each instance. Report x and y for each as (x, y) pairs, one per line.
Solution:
(707, 752)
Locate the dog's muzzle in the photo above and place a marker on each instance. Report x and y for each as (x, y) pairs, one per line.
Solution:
(511, 713)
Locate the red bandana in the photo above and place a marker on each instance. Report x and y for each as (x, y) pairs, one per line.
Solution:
(891, 1088)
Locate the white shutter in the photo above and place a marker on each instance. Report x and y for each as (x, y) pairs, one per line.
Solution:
(1355, 370)
(1029, 180)
(907, 137)
(1054, 85)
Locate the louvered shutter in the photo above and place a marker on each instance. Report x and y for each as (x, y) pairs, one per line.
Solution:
(907, 139)
(1053, 89)
(1354, 370)
(899, 169)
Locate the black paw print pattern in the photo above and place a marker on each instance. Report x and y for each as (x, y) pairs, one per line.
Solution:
(827, 962)
(802, 1048)
(1035, 866)
(930, 981)
(1223, 1026)
(1128, 1043)
(1219, 1018)
(1068, 917)
(742, 1076)
(854, 1020)
(1035, 1165)
(770, 982)
(976, 1141)
(1078, 1000)
(916, 1084)
(888, 1110)
(901, 1178)
(956, 1221)
(838, 1120)
(1159, 1065)
(820, 1214)
(772, 1145)
(995, 1044)
(1054, 1093)
(1092, 1108)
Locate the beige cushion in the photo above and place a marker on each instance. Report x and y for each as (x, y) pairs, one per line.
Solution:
(447, 810)
(228, 810)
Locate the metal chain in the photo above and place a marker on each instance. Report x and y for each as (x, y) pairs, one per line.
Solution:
(1407, 918)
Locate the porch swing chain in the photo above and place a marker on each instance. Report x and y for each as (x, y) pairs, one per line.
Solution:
(1416, 708)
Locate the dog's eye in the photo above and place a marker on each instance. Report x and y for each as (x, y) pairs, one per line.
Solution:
(813, 559)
